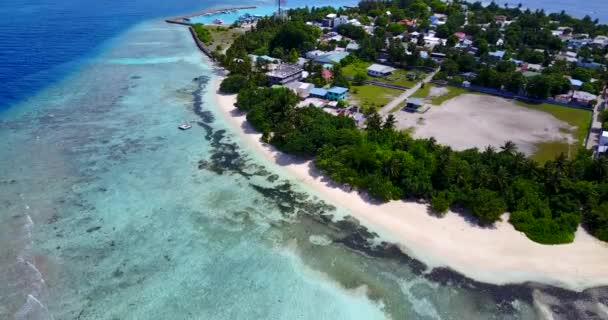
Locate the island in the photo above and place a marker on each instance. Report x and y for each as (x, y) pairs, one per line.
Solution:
(351, 95)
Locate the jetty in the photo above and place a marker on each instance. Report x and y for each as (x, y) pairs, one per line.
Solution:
(185, 20)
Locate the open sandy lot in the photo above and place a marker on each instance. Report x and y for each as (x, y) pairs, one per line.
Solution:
(472, 120)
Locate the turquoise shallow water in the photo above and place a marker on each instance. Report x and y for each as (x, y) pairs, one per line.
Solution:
(110, 212)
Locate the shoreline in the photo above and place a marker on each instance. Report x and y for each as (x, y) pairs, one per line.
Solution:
(498, 255)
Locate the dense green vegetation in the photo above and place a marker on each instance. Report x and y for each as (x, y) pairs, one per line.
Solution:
(527, 38)
(233, 83)
(202, 33)
(276, 38)
(547, 202)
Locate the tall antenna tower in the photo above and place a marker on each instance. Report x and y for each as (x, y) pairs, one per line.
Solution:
(280, 11)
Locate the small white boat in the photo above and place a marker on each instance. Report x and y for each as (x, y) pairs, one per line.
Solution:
(218, 21)
(185, 126)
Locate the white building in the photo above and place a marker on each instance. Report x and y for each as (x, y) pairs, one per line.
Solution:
(604, 138)
(379, 70)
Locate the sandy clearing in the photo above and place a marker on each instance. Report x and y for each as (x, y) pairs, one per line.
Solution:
(437, 91)
(496, 255)
(472, 120)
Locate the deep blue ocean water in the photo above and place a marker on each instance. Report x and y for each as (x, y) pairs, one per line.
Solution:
(41, 41)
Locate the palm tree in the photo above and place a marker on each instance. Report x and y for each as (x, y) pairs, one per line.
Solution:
(509, 147)
(432, 143)
(389, 123)
(601, 168)
(374, 122)
(501, 178)
(393, 167)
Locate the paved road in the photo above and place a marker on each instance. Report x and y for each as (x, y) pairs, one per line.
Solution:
(596, 125)
(402, 97)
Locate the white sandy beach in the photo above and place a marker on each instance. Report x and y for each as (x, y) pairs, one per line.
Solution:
(496, 255)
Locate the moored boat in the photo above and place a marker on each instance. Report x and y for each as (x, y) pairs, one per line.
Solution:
(185, 126)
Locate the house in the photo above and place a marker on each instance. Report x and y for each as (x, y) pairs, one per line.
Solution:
(354, 22)
(499, 54)
(333, 20)
(568, 56)
(302, 89)
(301, 62)
(284, 73)
(584, 98)
(438, 56)
(577, 43)
(318, 93)
(408, 22)
(353, 46)
(378, 70)
(269, 59)
(531, 67)
(438, 19)
(413, 104)
(468, 75)
(330, 57)
(500, 20)
(600, 41)
(604, 138)
(460, 35)
(575, 83)
(314, 54)
(589, 64)
(336, 93)
(431, 41)
(263, 59)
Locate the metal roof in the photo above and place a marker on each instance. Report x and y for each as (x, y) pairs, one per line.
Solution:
(337, 90)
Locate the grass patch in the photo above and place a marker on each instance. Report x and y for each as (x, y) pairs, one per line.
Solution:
(422, 92)
(453, 92)
(371, 98)
(574, 117)
(398, 78)
(222, 37)
(548, 150)
(397, 108)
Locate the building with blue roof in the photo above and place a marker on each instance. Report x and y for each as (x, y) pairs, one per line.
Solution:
(318, 93)
(336, 93)
(334, 57)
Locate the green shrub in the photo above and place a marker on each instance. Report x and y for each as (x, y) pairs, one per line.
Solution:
(233, 84)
